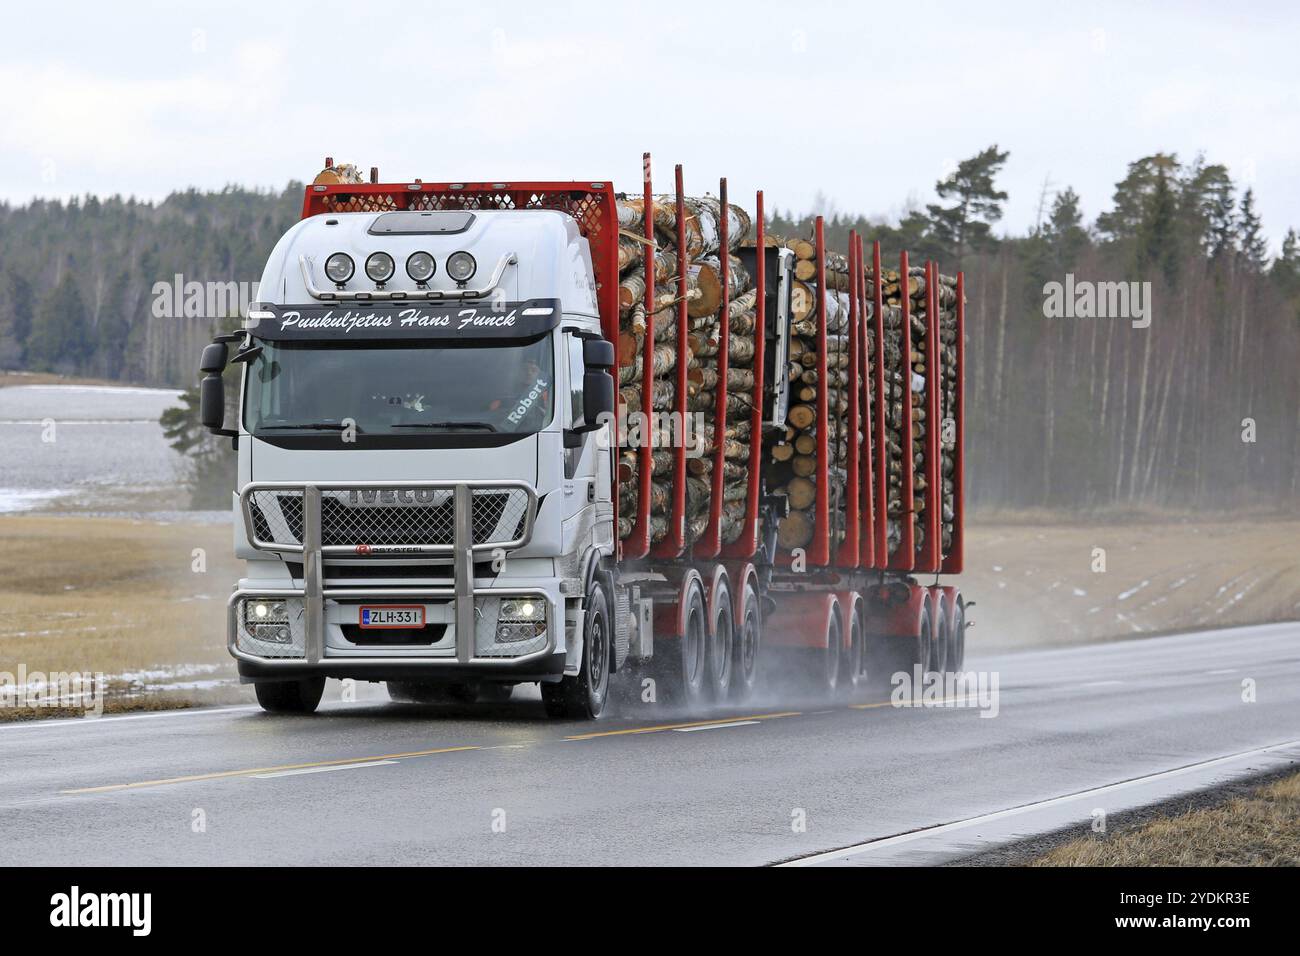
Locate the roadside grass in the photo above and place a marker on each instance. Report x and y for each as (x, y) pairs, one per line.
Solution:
(115, 596)
(1259, 829)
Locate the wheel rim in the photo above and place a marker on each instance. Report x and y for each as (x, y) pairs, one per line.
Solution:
(597, 654)
(833, 641)
(693, 659)
(723, 640)
(855, 653)
(959, 637)
(749, 644)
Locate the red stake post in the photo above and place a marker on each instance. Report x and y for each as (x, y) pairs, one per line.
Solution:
(637, 544)
(929, 558)
(847, 554)
(675, 540)
(882, 450)
(904, 558)
(866, 539)
(747, 543)
(955, 559)
(710, 542)
(820, 553)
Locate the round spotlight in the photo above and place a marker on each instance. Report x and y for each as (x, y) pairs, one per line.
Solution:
(261, 610)
(339, 267)
(461, 266)
(527, 609)
(421, 266)
(380, 267)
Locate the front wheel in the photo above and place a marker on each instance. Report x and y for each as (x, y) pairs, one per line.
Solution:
(290, 696)
(582, 696)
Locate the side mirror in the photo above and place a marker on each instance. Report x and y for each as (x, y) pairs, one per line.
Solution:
(214, 358)
(597, 398)
(212, 403)
(597, 353)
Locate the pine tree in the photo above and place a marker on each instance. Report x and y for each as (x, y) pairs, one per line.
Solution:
(967, 223)
(1254, 247)
(59, 339)
(1064, 229)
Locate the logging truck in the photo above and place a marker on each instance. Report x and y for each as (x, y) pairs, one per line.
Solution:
(544, 432)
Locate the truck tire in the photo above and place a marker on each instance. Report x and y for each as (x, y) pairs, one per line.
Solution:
(890, 655)
(720, 657)
(957, 639)
(431, 692)
(939, 646)
(852, 669)
(290, 696)
(825, 664)
(684, 668)
(748, 638)
(583, 695)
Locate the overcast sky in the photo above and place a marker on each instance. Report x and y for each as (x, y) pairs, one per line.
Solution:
(868, 103)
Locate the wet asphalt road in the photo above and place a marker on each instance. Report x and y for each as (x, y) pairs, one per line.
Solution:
(376, 782)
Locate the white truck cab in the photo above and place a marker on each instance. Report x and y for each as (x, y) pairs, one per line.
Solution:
(423, 459)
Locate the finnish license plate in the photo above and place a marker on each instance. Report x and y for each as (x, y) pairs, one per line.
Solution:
(392, 615)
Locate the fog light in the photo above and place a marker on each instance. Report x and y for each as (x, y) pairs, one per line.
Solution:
(379, 266)
(421, 266)
(339, 267)
(272, 633)
(461, 266)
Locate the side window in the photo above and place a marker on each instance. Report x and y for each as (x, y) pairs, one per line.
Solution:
(576, 370)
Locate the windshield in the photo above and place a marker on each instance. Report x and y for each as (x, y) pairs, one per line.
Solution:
(400, 388)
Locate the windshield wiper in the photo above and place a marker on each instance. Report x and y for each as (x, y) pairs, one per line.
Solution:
(480, 426)
(313, 426)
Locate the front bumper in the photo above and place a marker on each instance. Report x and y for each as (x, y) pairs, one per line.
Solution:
(468, 638)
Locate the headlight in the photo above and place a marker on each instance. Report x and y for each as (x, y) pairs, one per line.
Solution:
(421, 266)
(523, 610)
(265, 612)
(379, 266)
(461, 266)
(339, 267)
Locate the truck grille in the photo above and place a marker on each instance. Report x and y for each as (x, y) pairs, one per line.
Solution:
(356, 518)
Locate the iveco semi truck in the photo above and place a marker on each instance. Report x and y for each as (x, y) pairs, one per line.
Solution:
(429, 463)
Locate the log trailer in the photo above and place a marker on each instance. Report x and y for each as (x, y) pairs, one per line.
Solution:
(428, 465)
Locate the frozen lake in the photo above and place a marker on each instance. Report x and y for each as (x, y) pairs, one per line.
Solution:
(87, 448)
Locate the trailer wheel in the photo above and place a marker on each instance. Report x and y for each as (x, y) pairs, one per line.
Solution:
(290, 696)
(825, 670)
(721, 653)
(891, 655)
(745, 672)
(685, 667)
(939, 646)
(852, 670)
(957, 639)
(582, 696)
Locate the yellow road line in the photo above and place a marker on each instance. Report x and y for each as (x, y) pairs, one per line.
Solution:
(693, 723)
(906, 704)
(244, 773)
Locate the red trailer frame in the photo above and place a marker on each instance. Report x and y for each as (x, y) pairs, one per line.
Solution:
(865, 544)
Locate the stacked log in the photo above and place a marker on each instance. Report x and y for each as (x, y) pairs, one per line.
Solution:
(917, 377)
(794, 463)
(703, 298)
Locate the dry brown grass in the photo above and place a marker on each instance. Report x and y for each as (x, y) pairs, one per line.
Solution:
(111, 595)
(1204, 572)
(1262, 829)
(11, 377)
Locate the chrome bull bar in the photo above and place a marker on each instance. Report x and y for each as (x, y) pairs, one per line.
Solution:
(462, 548)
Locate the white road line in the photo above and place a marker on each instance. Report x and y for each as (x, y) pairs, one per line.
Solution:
(734, 723)
(100, 721)
(1224, 670)
(302, 770)
(893, 841)
(1102, 683)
